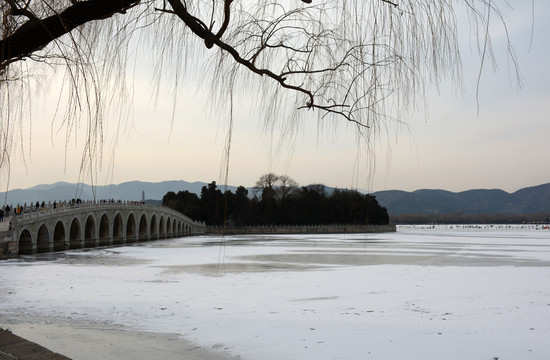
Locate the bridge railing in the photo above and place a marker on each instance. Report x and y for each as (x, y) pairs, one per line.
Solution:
(32, 213)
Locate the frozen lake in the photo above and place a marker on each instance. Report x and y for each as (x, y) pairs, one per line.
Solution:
(419, 293)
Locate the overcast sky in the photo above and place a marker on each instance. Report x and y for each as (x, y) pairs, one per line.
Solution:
(452, 146)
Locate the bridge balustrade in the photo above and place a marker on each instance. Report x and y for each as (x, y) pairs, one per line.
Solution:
(98, 224)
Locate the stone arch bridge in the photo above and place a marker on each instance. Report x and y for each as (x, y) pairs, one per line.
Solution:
(90, 225)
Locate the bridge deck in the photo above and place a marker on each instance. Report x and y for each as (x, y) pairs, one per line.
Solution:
(87, 225)
(4, 225)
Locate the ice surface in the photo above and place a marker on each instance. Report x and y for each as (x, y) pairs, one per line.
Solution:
(420, 293)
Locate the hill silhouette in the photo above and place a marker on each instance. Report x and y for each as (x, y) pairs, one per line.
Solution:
(479, 201)
(535, 199)
(131, 191)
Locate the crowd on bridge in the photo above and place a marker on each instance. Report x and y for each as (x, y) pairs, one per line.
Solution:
(8, 210)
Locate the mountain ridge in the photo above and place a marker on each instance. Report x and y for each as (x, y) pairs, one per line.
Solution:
(129, 190)
(530, 199)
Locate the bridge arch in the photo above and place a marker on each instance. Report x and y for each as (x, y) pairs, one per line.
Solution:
(75, 234)
(143, 228)
(153, 235)
(168, 227)
(89, 232)
(118, 235)
(104, 233)
(59, 242)
(131, 228)
(174, 228)
(43, 239)
(162, 233)
(25, 242)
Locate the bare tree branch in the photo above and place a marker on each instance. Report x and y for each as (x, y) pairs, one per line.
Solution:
(368, 62)
(37, 33)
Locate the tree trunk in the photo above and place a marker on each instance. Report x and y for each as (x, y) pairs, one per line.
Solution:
(37, 33)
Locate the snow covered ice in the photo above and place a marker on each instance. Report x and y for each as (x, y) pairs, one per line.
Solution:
(420, 293)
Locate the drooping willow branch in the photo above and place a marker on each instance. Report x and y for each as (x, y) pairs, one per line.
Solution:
(354, 59)
(201, 30)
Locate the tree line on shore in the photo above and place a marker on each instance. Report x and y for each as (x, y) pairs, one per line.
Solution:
(278, 200)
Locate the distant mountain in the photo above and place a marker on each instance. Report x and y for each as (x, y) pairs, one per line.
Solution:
(528, 200)
(131, 191)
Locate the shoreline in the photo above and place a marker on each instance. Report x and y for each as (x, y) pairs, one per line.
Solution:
(14, 347)
(89, 342)
(299, 229)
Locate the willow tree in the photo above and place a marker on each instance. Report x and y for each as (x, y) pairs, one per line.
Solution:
(361, 62)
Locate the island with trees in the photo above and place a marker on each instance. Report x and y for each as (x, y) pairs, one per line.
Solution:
(278, 202)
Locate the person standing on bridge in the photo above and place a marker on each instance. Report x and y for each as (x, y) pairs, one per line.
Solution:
(1, 215)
